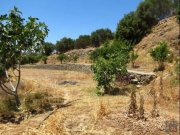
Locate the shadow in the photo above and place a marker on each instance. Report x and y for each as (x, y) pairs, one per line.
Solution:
(67, 104)
(120, 91)
(136, 66)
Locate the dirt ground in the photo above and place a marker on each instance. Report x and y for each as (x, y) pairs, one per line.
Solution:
(86, 113)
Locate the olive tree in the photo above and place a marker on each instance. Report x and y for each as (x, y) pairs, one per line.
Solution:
(17, 37)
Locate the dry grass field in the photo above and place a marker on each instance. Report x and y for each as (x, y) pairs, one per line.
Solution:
(84, 112)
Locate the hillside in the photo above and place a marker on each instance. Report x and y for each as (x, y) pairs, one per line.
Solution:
(82, 54)
(166, 30)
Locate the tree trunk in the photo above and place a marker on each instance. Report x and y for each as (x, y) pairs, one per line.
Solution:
(133, 64)
(18, 103)
(45, 62)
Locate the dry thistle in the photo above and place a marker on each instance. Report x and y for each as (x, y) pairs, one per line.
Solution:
(141, 107)
(154, 111)
(133, 104)
(102, 111)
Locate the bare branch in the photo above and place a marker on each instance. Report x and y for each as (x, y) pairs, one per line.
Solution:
(6, 90)
(19, 77)
(13, 88)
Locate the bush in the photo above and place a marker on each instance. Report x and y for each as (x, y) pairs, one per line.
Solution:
(111, 60)
(31, 58)
(62, 57)
(133, 57)
(160, 54)
(75, 58)
(44, 59)
(37, 101)
(7, 105)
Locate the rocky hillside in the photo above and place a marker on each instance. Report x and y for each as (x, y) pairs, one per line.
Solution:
(166, 30)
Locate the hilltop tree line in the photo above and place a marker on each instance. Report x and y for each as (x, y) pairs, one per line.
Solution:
(131, 28)
(65, 44)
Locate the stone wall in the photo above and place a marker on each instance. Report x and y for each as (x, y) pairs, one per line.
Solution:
(69, 67)
(136, 77)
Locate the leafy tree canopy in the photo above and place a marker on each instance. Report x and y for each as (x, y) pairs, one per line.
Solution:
(160, 54)
(100, 36)
(65, 44)
(83, 41)
(48, 48)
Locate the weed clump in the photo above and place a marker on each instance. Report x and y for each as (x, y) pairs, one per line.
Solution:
(102, 111)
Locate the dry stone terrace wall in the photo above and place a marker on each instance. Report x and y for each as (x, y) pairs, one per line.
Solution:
(136, 77)
(69, 67)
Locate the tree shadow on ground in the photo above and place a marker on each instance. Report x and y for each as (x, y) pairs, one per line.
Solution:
(120, 91)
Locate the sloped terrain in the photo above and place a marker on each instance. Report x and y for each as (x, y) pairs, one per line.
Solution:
(166, 30)
(82, 54)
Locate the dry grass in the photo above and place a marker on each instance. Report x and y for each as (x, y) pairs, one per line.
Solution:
(87, 113)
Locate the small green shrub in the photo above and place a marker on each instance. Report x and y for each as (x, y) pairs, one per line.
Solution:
(133, 57)
(31, 59)
(7, 105)
(75, 58)
(160, 54)
(44, 59)
(37, 101)
(62, 57)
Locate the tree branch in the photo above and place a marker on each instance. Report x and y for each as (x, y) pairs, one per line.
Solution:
(13, 88)
(6, 90)
(19, 77)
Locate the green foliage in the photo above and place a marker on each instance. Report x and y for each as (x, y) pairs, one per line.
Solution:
(135, 25)
(133, 57)
(40, 102)
(83, 41)
(65, 44)
(44, 59)
(18, 36)
(36, 101)
(62, 57)
(48, 48)
(111, 61)
(160, 54)
(100, 36)
(31, 58)
(151, 11)
(75, 58)
(7, 106)
(131, 28)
